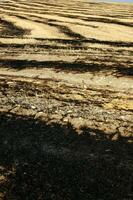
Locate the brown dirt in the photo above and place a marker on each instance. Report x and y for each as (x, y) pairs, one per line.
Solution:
(66, 100)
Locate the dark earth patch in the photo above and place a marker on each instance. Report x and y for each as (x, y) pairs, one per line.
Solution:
(70, 166)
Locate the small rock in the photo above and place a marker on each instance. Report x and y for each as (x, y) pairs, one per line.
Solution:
(69, 111)
(56, 116)
(125, 124)
(130, 141)
(115, 137)
(38, 115)
(108, 150)
(33, 107)
(121, 129)
(65, 120)
(16, 109)
(126, 134)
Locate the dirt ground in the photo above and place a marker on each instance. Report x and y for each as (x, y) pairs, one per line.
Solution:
(66, 100)
(52, 161)
(61, 141)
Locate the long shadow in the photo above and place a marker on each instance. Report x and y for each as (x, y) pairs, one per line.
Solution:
(9, 29)
(57, 65)
(51, 161)
(75, 67)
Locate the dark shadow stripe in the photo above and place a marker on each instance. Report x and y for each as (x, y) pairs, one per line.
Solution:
(78, 67)
(89, 40)
(108, 21)
(43, 46)
(9, 30)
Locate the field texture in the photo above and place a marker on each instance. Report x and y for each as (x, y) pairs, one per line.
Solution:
(66, 100)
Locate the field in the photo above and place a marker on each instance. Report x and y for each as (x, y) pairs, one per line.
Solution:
(66, 100)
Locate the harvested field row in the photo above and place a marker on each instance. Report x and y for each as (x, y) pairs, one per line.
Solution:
(66, 100)
(72, 33)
